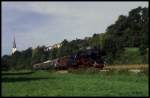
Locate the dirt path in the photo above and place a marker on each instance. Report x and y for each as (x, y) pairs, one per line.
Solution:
(136, 66)
(62, 71)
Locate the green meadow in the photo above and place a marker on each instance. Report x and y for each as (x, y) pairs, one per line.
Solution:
(52, 83)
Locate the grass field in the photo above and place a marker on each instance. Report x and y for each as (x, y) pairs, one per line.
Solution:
(43, 83)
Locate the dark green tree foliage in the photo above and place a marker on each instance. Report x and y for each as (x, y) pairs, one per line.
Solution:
(74, 46)
(95, 41)
(26, 58)
(22, 60)
(128, 31)
(140, 19)
(15, 59)
(5, 62)
(130, 28)
(64, 50)
(112, 48)
(54, 53)
(39, 54)
(18, 60)
(144, 43)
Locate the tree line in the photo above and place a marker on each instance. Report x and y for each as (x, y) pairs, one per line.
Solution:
(127, 31)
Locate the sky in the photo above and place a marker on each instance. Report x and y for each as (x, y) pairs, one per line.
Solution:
(47, 23)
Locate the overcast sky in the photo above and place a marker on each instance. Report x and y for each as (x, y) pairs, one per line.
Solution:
(47, 23)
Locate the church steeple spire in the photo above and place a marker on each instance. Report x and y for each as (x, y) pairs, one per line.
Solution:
(14, 49)
(14, 44)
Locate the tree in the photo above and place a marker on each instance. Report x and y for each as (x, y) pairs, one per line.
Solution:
(130, 28)
(25, 59)
(5, 62)
(39, 55)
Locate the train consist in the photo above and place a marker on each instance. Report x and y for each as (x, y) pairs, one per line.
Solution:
(82, 59)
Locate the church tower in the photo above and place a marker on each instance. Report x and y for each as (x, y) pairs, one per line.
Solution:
(14, 49)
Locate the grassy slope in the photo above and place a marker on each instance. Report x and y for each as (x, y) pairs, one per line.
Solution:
(131, 56)
(56, 84)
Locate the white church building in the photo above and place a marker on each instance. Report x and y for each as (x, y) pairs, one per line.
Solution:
(14, 49)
